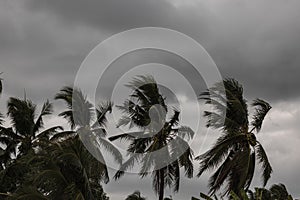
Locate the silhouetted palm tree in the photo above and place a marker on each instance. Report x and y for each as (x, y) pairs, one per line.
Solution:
(135, 196)
(159, 144)
(279, 192)
(25, 135)
(60, 171)
(236, 150)
(88, 124)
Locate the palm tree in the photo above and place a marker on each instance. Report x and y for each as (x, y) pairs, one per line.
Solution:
(25, 135)
(237, 149)
(89, 125)
(135, 196)
(64, 170)
(276, 192)
(159, 144)
(279, 192)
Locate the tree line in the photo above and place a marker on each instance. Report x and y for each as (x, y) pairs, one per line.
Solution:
(53, 163)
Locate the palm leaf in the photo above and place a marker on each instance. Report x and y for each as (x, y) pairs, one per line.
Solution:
(266, 166)
(101, 111)
(47, 109)
(22, 114)
(216, 154)
(261, 110)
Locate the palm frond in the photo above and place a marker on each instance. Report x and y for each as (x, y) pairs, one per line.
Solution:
(127, 136)
(266, 166)
(261, 109)
(222, 173)
(251, 170)
(79, 108)
(49, 132)
(230, 108)
(21, 113)
(47, 109)
(68, 115)
(101, 111)
(127, 165)
(111, 149)
(217, 153)
(66, 95)
(63, 135)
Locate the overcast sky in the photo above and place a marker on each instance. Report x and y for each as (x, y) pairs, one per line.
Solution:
(43, 43)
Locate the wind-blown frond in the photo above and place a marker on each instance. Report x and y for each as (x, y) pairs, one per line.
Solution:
(22, 114)
(127, 165)
(111, 149)
(46, 134)
(230, 109)
(129, 136)
(251, 169)
(216, 154)
(261, 110)
(80, 109)
(47, 109)
(101, 111)
(266, 166)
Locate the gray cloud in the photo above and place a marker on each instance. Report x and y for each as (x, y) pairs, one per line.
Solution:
(255, 41)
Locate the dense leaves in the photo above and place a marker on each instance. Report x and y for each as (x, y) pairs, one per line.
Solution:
(41, 162)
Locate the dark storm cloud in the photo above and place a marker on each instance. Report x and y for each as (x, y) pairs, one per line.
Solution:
(258, 42)
(113, 14)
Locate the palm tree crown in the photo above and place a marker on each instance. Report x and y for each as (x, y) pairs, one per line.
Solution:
(25, 135)
(89, 124)
(159, 144)
(237, 148)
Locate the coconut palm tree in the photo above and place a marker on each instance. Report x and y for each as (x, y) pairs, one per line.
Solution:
(61, 170)
(88, 123)
(135, 196)
(26, 134)
(279, 192)
(275, 192)
(237, 149)
(159, 144)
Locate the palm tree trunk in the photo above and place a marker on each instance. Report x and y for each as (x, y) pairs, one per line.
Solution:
(161, 184)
